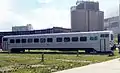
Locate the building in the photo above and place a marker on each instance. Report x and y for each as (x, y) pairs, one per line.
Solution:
(28, 27)
(112, 23)
(86, 16)
(42, 31)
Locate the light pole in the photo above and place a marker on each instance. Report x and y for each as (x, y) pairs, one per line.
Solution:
(119, 13)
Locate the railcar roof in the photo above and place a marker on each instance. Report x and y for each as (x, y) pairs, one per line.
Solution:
(70, 33)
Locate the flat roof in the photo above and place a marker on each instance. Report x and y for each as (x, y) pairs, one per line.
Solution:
(56, 34)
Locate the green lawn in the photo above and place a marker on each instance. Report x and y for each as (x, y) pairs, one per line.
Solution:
(31, 63)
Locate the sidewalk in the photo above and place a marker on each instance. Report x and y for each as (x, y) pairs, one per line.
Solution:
(112, 66)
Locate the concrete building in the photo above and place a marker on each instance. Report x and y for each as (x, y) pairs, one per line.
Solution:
(85, 16)
(112, 23)
(28, 27)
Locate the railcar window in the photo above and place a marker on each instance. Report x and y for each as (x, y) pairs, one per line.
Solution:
(23, 40)
(49, 40)
(5, 39)
(66, 39)
(30, 40)
(74, 39)
(36, 40)
(83, 38)
(12, 41)
(104, 35)
(112, 36)
(59, 39)
(94, 38)
(42, 40)
(17, 40)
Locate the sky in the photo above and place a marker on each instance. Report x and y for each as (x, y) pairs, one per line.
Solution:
(45, 13)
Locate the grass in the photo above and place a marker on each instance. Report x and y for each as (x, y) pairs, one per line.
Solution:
(31, 63)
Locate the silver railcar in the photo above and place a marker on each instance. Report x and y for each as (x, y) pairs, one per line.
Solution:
(96, 41)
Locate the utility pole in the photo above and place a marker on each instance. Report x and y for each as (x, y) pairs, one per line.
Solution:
(119, 13)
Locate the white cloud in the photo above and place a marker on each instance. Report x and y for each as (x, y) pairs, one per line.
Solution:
(44, 1)
(11, 19)
(44, 17)
(40, 18)
(49, 17)
(8, 18)
(4, 8)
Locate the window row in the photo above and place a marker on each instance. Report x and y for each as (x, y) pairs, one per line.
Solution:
(36, 40)
(49, 40)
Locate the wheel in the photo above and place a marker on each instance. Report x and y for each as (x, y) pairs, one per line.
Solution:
(23, 50)
(15, 51)
(87, 51)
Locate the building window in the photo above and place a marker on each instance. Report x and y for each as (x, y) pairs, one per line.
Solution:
(36, 40)
(17, 40)
(23, 40)
(74, 39)
(42, 40)
(59, 39)
(30, 40)
(49, 40)
(5, 39)
(12, 41)
(66, 39)
(83, 38)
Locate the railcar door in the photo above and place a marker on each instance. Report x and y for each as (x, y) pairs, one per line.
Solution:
(102, 45)
(5, 44)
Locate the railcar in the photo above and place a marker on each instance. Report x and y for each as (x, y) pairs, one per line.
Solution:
(96, 41)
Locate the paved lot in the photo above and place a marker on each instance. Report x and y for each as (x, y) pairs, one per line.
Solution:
(112, 66)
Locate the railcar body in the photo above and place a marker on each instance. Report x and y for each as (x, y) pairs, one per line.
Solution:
(96, 41)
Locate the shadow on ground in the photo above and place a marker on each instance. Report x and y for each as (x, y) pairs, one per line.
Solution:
(67, 53)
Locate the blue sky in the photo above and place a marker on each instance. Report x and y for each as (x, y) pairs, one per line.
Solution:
(44, 13)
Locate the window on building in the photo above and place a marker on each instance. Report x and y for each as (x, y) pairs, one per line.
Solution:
(17, 40)
(49, 40)
(83, 38)
(114, 24)
(59, 39)
(42, 40)
(12, 41)
(36, 40)
(74, 39)
(23, 40)
(66, 39)
(5, 39)
(30, 40)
